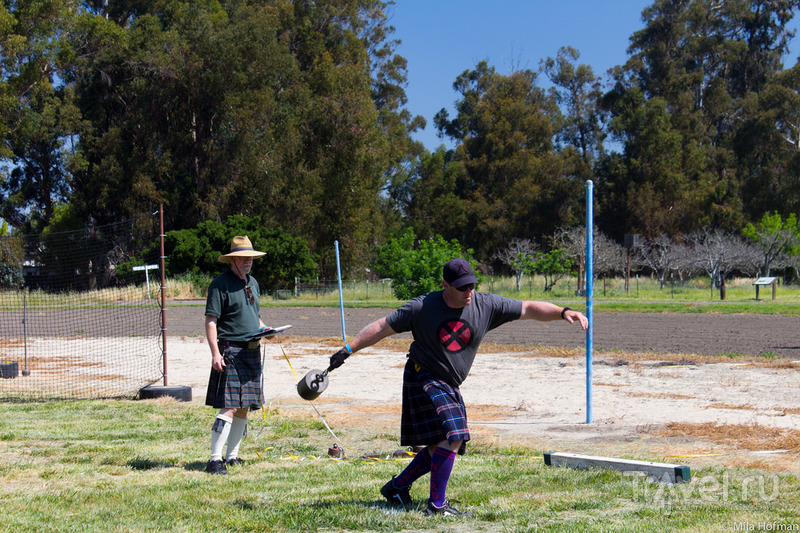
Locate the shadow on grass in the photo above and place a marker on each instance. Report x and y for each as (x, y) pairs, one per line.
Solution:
(379, 505)
(147, 464)
(199, 466)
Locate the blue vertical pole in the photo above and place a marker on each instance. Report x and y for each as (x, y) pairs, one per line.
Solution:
(589, 288)
(339, 276)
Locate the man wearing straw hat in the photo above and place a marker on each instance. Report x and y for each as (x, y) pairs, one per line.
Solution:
(232, 317)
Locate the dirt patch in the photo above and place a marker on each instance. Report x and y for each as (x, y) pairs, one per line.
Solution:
(685, 388)
(755, 438)
(696, 389)
(654, 333)
(694, 411)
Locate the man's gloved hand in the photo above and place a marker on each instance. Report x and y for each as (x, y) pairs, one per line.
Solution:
(338, 358)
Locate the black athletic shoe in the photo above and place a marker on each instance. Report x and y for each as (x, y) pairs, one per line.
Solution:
(395, 495)
(234, 461)
(216, 467)
(445, 510)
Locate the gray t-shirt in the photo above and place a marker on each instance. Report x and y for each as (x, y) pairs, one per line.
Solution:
(229, 301)
(446, 339)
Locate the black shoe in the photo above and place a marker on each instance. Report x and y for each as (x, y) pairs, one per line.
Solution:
(395, 495)
(216, 467)
(445, 510)
(234, 461)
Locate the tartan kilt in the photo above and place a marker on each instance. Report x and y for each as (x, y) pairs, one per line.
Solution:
(238, 386)
(433, 410)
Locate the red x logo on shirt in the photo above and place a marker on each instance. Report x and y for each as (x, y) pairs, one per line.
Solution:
(455, 335)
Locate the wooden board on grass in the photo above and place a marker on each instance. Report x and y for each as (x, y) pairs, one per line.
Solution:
(658, 471)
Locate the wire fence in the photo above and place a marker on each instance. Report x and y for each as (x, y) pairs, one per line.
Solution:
(70, 326)
(325, 289)
(637, 287)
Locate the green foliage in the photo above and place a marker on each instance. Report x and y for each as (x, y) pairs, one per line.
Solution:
(37, 115)
(524, 263)
(775, 236)
(553, 265)
(415, 266)
(98, 466)
(293, 112)
(577, 92)
(685, 162)
(11, 259)
(429, 197)
(197, 250)
(510, 181)
(286, 111)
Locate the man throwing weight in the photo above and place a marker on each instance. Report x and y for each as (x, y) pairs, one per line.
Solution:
(448, 327)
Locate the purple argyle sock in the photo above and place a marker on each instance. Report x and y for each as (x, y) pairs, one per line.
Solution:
(418, 467)
(441, 467)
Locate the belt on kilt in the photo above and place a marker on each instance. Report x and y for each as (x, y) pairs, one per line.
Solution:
(243, 344)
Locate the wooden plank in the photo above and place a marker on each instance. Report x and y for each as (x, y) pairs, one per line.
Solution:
(659, 471)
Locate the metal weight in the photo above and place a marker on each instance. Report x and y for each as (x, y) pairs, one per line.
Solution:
(313, 384)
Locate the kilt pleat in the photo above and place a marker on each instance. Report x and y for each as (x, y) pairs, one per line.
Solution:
(432, 411)
(239, 384)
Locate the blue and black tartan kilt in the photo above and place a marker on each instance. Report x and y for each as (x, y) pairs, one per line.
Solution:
(433, 410)
(239, 384)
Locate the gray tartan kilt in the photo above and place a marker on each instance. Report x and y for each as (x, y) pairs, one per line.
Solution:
(239, 384)
(433, 410)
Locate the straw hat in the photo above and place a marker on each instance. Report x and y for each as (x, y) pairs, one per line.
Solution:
(240, 247)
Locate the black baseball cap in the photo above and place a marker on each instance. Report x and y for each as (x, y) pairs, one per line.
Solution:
(458, 273)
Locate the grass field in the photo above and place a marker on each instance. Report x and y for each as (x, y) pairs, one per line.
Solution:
(138, 466)
(641, 295)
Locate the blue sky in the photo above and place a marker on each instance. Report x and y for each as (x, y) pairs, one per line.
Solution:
(443, 38)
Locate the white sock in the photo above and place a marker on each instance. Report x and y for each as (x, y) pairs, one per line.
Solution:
(219, 435)
(237, 433)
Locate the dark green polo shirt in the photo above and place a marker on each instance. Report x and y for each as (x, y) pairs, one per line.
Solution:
(229, 302)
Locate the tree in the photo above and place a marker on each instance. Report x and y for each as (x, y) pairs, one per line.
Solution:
(429, 199)
(577, 91)
(180, 109)
(37, 118)
(768, 146)
(573, 242)
(653, 188)
(608, 256)
(11, 260)
(719, 253)
(684, 108)
(290, 111)
(415, 266)
(198, 249)
(580, 132)
(553, 265)
(793, 260)
(663, 255)
(510, 181)
(521, 256)
(775, 237)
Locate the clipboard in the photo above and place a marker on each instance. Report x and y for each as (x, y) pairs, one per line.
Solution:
(268, 332)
